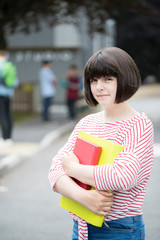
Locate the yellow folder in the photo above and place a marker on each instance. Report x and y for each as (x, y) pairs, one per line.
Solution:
(110, 151)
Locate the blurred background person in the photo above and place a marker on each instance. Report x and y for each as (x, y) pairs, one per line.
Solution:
(48, 83)
(73, 82)
(8, 82)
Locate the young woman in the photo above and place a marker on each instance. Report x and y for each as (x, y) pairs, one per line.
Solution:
(111, 77)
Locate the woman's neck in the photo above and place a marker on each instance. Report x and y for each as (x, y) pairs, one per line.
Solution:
(118, 112)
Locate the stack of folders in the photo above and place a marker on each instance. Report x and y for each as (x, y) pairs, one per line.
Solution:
(91, 150)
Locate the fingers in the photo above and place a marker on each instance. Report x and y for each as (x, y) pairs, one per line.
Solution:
(99, 202)
(70, 156)
(108, 196)
(105, 203)
(105, 193)
(104, 212)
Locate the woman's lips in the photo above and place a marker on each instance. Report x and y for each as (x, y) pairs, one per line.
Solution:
(102, 95)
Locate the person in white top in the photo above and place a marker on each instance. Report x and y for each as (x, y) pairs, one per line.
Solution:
(111, 77)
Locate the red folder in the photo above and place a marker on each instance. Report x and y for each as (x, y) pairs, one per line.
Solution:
(88, 154)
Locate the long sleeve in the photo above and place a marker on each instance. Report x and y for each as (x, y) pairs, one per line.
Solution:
(133, 165)
(128, 176)
(56, 170)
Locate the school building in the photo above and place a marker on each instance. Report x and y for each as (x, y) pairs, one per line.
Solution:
(64, 45)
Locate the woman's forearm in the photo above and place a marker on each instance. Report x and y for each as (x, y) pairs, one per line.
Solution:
(98, 202)
(67, 187)
(83, 173)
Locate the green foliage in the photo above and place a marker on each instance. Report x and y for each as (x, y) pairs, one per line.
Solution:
(138, 23)
(23, 15)
(139, 35)
(20, 117)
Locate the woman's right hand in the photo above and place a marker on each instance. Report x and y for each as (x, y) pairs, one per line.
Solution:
(99, 202)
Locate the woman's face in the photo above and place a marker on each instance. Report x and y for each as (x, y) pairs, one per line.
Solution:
(104, 90)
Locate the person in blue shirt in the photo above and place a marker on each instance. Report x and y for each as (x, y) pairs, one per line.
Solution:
(48, 83)
(6, 94)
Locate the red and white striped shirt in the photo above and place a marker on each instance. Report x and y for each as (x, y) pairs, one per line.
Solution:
(127, 177)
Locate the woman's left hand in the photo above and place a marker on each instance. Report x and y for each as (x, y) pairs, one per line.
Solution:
(69, 161)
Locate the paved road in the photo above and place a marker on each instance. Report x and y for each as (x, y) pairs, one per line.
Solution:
(151, 203)
(29, 209)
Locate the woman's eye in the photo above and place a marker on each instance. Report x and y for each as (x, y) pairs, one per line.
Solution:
(108, 79)
(93, 80)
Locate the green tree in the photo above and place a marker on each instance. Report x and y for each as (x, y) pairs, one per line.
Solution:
(22, 15)
(138, 23)
(139, 35)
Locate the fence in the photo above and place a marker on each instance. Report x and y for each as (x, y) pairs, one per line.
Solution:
(23, 98)
(27, 99)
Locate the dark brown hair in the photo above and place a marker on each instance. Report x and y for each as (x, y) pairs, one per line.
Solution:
(114, 62)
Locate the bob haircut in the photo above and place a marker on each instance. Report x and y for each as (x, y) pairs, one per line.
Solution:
(114, 62)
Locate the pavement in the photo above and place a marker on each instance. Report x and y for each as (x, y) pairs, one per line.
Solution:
(33, 135)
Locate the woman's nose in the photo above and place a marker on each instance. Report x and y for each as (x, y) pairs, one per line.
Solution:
(100, 84)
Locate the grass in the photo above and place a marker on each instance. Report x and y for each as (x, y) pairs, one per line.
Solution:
(19, 117)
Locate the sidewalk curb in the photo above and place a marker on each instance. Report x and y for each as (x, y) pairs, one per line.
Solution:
(12, 160)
